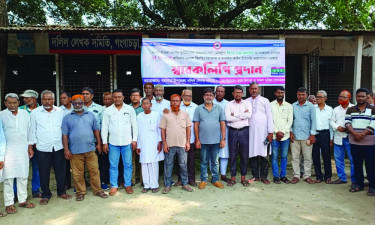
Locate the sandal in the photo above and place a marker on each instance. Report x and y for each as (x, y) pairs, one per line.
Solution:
(355, 189)
(145, 190)
(27, 205)
(266, 181)
(285, 180)
(65, 196)
(10, 209)
(101, 194)
(80, 197)
(317, 181)
(231, 182)
(309, 181)
(44, 201)
(187, 188)
(245, 183)
(371, 192)
(155, 190)
(166, 190)
(3, 214)
(276, 180)
(294, 180)
(225, 179)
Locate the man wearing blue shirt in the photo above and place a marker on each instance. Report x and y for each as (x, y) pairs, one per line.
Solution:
(302, 135)
(79, 128)
(209, 128)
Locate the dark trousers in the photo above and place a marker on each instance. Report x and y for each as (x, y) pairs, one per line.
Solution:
(238, 142)
(190, 164)
(68, 177)
(103, 167)
(366, 153)
(57, 160)
(121, 172)
(259, 167)
(322, 143)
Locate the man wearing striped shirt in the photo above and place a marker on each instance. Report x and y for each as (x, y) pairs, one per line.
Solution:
(360, 122)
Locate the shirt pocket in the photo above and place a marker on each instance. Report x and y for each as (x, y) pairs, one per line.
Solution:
(182, 122)
(284, 114)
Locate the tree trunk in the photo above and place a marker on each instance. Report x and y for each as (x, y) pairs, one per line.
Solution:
(3, 48)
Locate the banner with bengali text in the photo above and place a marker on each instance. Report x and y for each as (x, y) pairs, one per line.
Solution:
(208, 62)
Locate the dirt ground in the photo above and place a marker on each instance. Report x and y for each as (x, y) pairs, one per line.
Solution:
(258, 204)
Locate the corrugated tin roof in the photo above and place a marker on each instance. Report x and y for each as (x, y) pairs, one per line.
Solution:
(56, 28)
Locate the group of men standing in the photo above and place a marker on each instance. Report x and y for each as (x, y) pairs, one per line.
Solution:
(82, 134)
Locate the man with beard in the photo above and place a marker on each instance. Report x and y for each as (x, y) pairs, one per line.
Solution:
(119, 135)
(324, 137)
(46, 134)
(302, 135)
(238, 112)
(261, 131)
(188, 106)
(282, 115)
(79, 129)
(97, 110)
(340, 138)
(14, 161)
(175, 131)
(209, 128)
(159, 103)
(360, 122)
(224, 152)
(30, 98)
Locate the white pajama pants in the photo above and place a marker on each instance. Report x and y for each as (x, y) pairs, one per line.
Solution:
(9, 192)
(150, 174)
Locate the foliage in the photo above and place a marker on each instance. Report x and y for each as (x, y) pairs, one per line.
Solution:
(325, 14)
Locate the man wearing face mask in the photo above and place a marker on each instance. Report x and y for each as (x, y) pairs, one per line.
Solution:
(46, 134)
(340, 138)
(79, 129)
(188, 106)
(14, 163)
(360, 122)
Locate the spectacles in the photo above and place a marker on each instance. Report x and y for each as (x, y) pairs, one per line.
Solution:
(319, 97)
(77, 103)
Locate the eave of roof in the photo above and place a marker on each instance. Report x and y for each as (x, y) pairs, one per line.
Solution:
(149, 30)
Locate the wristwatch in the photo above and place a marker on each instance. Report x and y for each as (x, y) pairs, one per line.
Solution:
(224, 139)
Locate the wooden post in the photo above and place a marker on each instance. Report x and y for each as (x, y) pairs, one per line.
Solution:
(358, 64)
(3, 48)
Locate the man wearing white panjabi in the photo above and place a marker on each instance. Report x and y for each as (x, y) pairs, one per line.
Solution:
(261, 131)
(149, 146)
(224, 152)
(15, 126)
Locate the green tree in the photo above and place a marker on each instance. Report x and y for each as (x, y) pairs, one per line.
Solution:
(330, 14)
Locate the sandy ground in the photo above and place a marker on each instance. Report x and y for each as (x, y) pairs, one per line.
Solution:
(258, 204)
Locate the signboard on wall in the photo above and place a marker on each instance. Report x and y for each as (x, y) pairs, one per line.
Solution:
(94, 44)
(208, 62)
